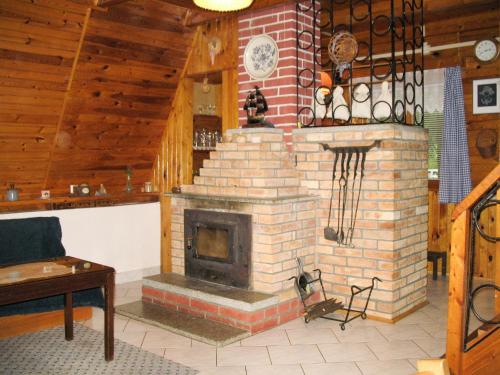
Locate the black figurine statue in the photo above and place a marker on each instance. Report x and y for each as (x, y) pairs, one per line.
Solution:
(256, 106)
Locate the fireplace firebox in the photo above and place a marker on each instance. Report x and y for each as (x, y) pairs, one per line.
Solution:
(217, 246)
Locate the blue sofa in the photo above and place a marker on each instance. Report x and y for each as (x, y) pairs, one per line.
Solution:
(38, 238)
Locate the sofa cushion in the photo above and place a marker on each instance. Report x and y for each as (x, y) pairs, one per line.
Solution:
(24, 240)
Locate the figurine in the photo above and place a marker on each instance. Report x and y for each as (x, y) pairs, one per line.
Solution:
(256, 106)
(382, 106)
(360, 103)
(338, 108)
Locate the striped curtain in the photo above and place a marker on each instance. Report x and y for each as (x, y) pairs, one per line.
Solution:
(454, 170)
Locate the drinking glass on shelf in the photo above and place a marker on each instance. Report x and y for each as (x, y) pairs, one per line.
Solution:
(203, 139)
(196, 139)
(217, 138)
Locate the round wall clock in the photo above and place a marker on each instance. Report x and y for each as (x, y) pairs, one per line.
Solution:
(486, 50)
(261, 56)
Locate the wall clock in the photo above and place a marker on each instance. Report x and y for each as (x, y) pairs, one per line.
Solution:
(486, 50)
(261, 56)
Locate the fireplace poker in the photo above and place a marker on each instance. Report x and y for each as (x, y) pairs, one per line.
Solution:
(342, 235)
(342, 182)
(329, 232)
(350, 230)
(362, 174)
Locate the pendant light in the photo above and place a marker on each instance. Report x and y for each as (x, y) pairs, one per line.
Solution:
(223, 5)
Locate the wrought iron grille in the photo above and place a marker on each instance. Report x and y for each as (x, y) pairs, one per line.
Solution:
(474, 287)
(390, 48)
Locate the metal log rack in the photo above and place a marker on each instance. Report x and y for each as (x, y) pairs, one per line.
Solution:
(329, 305)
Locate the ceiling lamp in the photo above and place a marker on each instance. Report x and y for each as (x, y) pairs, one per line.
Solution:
(223, 5)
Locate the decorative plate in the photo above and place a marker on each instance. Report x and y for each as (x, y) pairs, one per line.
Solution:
(261, 56)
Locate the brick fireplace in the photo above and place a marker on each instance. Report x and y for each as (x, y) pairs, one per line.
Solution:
(286, 198)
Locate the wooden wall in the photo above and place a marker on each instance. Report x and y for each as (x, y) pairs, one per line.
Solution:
(85, 92)
(449, 22)
(174, 162)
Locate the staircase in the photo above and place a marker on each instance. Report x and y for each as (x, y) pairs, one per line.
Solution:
(475, 353)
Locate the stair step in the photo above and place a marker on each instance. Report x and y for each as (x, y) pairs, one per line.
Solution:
(227, 296)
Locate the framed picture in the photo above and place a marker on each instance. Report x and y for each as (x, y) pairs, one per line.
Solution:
(486, 96)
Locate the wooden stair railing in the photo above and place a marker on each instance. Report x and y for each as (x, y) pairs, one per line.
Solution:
(484, 356)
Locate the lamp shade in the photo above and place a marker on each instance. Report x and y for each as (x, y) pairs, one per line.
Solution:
(223, 5)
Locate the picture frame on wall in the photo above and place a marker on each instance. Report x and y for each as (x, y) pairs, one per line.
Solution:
(486, 96)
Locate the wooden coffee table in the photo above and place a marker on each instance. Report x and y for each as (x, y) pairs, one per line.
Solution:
(64, 275)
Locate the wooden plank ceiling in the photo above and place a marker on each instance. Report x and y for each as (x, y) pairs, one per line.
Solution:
(85, 93)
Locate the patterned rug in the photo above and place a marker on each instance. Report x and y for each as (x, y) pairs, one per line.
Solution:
(47, 353)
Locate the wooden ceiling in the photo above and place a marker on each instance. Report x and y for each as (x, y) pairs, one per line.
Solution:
(86, 91)
(83, 93)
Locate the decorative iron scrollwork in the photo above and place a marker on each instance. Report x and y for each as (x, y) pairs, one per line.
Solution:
(390, 48)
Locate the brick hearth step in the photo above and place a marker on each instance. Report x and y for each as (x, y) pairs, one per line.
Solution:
(243, 309)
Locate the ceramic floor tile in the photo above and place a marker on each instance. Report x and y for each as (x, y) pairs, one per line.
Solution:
(165, 339)
(435, 348)
(272, 337)
(311, 336)
(403, 332)
(132, 338)
(294, 354)
(437, 331)
(346, 352)
(274, 370)
(157, 351)
(416, 318)
(192, 356)
(242, 356)
(98, 324)
(393, 367)
(226, 370)
(360, 334)
(123, 300)
(396, 350)
(346, 368)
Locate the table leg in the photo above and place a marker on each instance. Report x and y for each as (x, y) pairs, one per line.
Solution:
(68, 316)
(109, 292)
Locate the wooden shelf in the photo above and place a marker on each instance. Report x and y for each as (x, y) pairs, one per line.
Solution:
(61, 203)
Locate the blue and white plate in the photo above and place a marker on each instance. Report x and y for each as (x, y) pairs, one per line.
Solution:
(261, 56)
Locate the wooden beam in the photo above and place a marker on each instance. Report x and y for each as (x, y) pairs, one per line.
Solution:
(110, 3)
(66, 95)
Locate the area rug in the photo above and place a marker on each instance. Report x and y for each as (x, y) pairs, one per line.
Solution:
(47, 353)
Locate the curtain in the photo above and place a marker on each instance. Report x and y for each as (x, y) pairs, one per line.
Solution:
(454, 172)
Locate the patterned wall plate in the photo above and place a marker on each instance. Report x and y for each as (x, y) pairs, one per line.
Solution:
(261, 56)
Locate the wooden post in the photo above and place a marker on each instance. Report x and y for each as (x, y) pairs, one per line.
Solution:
(456, 293)
(230, 99)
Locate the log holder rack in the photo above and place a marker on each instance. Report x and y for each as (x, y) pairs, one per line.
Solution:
(329, 305)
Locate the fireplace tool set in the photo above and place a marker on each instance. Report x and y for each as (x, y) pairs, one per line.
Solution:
(304, 283)
(349, 186)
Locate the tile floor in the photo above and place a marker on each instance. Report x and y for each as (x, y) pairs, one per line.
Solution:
(366, 347)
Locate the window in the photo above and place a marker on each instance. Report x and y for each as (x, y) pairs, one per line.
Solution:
(434, 122)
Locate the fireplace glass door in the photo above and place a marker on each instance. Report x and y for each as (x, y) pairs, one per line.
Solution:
(212, 243)
(217, 246)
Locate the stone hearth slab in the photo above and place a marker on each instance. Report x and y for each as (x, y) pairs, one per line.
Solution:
(182, 323)
(213, 293)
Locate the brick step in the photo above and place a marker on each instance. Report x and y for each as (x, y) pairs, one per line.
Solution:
(245, 192)
(251, 311)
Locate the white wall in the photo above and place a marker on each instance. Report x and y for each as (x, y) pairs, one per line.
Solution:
(124, 237)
